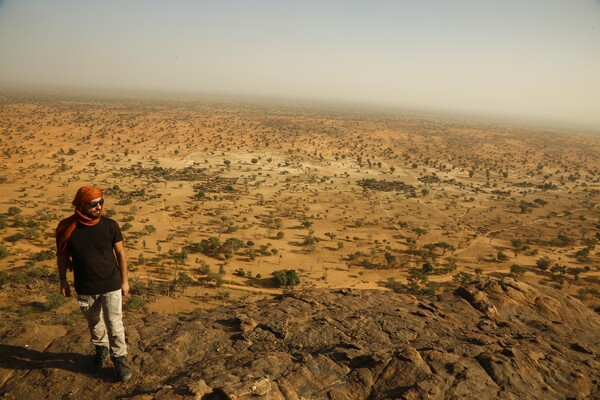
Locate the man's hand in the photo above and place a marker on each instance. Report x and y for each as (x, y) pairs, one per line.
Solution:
(65, 289)
(125, 288)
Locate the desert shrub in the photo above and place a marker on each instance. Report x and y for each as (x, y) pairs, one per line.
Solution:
(14, 238)
(516, 270)
(43, 273)
(3, 278)
(14, 210)
(396, 286)
(587, 293)
(310, 240)
(204, 269)
(126, 226)
(285, 277)
(31, 233)
(19, 277)
(181, 256)
(136, 303)
(184, 280)
(564, 240)
(582, 254)
(43, 255)
(69, 319)
(462, 278)
(217, 278)
(501, 256)
(3, 251)
(137, 287)
(18, 221)
(54, 300)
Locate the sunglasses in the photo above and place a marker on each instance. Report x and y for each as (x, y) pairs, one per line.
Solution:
(93, 204)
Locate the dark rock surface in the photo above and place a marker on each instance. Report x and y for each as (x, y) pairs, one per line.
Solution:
(495, 339)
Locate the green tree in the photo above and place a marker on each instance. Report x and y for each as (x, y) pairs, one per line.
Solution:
(231, 246)
(184, 280)
(390, 259)
(501, 256)
(418, 282)
(517, 245)
(445, 247)
(285, 278)
(517, 270)
(543, 263)
(576, 272)
(210, 247)
(420, 232)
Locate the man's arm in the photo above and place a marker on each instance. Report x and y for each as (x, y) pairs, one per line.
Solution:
(122, 261)
(63, 261)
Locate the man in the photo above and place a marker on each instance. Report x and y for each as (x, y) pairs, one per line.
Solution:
(91, 245)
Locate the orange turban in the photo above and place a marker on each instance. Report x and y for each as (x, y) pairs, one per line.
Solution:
(84, 195)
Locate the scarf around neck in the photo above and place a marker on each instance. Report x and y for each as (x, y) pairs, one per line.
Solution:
(66, 227)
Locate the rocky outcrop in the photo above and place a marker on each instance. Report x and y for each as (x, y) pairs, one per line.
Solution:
(493, 339)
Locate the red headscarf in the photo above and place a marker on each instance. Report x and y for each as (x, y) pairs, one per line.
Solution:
(65, 227)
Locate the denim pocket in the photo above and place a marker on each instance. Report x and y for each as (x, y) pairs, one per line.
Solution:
(83, 301)
(114, 303)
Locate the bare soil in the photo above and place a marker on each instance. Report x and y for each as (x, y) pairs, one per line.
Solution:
(346, 199)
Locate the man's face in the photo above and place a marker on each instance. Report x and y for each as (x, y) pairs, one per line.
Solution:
(93, 208)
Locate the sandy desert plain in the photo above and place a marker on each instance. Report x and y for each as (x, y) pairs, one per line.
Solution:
(214, 196)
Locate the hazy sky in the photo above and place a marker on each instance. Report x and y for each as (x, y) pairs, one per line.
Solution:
(510, 58)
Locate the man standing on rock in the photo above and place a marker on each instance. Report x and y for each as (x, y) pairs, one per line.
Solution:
(91, 245)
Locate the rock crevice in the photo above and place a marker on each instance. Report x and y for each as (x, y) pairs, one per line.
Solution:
(491, 339)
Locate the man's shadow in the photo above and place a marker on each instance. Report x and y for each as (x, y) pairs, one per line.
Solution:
(22, 358)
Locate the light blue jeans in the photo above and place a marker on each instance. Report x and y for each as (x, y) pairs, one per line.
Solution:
(104, 314)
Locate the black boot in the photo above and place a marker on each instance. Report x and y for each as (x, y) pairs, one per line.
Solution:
(99, 358)
(122, 370)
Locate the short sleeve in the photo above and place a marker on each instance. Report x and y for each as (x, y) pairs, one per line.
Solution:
(116, 231)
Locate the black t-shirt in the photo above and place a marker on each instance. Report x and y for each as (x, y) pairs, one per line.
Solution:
(94, 262)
